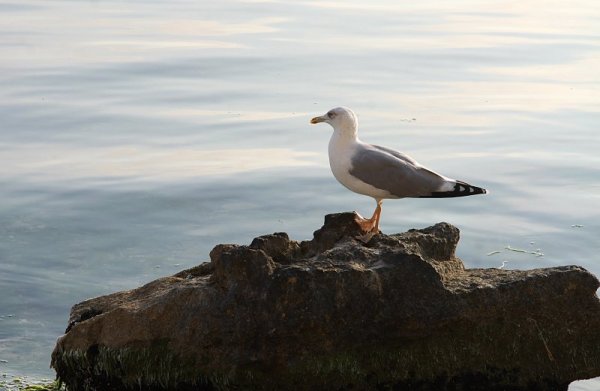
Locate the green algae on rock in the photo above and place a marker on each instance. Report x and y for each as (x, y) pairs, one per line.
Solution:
(28, 384)
(400, 312)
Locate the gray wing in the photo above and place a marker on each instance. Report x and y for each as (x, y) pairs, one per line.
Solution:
(395, 172)
(399, 155)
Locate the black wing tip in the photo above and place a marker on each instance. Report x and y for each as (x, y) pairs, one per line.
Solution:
(461, 189)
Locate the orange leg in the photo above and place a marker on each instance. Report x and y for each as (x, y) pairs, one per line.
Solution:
(371, 226)
(378, 213)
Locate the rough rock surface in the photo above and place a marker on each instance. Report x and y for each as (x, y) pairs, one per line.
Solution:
(400, 312)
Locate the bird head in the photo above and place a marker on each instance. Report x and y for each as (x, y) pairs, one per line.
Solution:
(340, 118)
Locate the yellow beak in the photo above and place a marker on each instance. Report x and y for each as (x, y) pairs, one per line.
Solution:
(316, 120)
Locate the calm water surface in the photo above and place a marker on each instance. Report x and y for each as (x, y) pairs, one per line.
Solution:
(134, 136)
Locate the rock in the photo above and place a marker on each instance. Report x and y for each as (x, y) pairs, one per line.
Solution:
(400, 312)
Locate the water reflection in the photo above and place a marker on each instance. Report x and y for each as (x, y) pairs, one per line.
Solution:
(63, 162)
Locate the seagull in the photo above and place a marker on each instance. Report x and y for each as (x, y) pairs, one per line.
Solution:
(380, 172)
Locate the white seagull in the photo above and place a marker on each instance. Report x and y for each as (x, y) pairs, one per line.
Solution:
(381, 172)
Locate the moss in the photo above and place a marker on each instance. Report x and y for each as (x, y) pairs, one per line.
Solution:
(450, 361)
(132, 367)
(27, 384)
(54, 386)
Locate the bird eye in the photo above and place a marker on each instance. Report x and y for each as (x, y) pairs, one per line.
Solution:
(331, 114)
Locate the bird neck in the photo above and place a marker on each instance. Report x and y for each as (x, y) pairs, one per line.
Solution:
(347, 133)
(341, 144)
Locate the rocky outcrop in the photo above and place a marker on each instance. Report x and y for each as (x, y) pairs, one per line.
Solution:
(400, 312)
